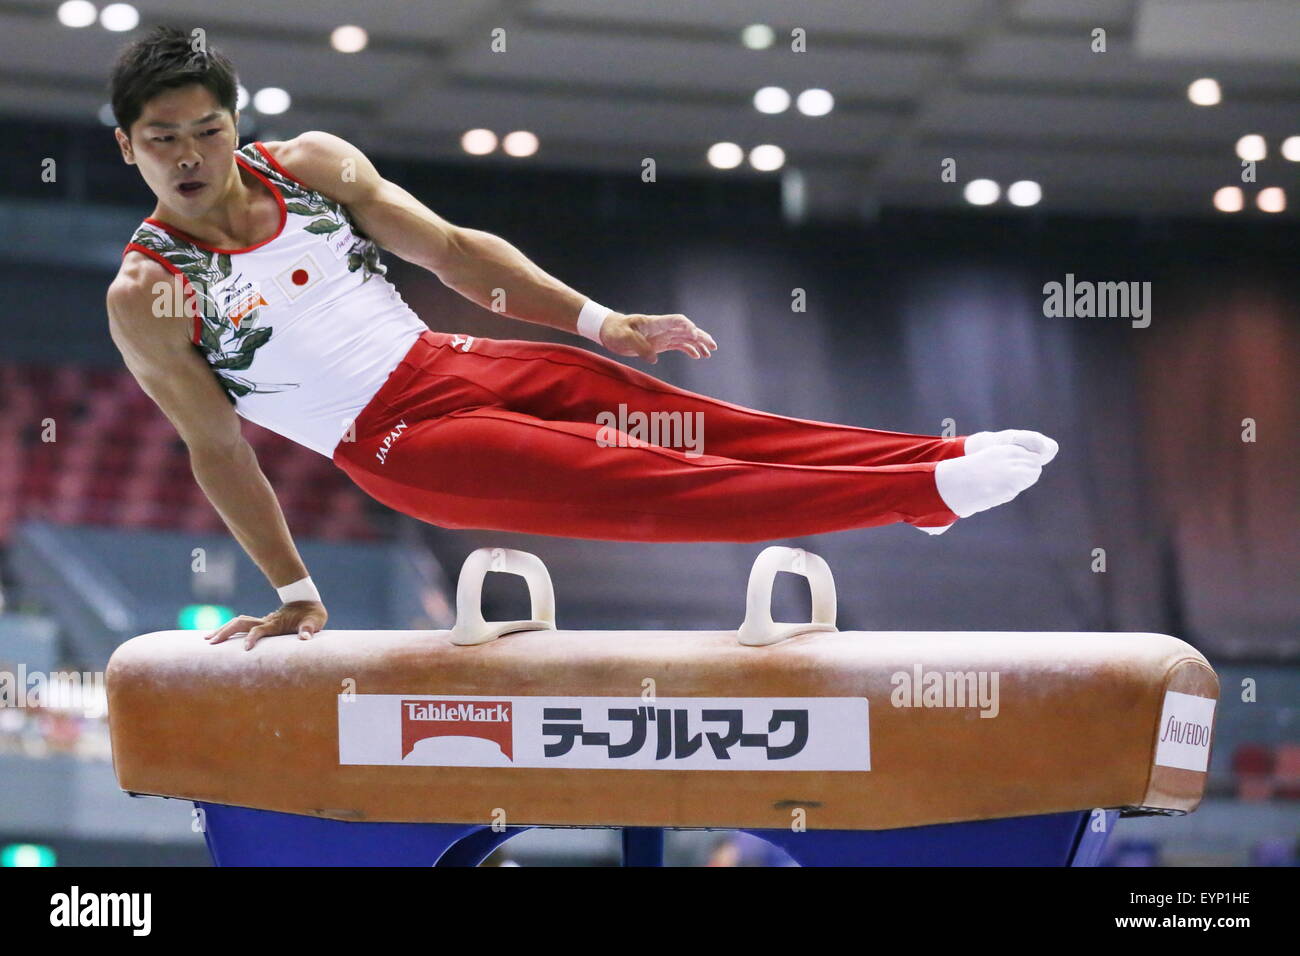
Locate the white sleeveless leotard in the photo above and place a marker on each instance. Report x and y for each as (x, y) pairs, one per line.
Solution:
(300, 330)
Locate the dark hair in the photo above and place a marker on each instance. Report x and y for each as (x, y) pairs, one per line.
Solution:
(161, 60)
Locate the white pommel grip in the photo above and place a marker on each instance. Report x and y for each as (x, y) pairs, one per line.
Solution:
(470, 627)
(758, 628)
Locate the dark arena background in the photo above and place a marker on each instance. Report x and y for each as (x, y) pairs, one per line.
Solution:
(892, 214)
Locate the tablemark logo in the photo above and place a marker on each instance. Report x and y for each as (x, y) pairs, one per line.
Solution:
(486, 720)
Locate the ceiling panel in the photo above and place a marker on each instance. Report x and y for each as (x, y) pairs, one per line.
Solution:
(697, 66)
(1060, 170)
(896, 18)
(1142, 122)
(589, 119)
(1076, 13)
(406, 19)
(1114, 200)
(1251, 30)
(43, 46)
(1068, 60)
(607, 157)
(315, 72)
(87, 55)
(17, 100)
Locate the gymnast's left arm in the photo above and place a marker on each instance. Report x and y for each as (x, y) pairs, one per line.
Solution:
(482, 267)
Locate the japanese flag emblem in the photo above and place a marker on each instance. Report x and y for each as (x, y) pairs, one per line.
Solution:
(300, 277)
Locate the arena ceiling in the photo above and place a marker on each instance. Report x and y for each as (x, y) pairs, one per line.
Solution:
(1009, 89)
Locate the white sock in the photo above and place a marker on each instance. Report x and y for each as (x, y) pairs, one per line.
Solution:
(1044, 448)
(973, 483)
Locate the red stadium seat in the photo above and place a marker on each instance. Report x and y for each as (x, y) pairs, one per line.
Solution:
(1252, 765)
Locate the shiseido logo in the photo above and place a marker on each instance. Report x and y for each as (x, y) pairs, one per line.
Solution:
(1186, 732)
(387, 443)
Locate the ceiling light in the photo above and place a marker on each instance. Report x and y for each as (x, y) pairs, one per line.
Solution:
(725, 155)
(119, 17)
(76, 13)
(815, 102)
(766, 158)
(349, 39)
(1025, 192)
(758, 36)
(1228, 199)
(1205, 92)
(271, 100)
(982, 192)
(478, 142)
(771, 99)
(519, 143)
(1272, 199)
(1252, 148)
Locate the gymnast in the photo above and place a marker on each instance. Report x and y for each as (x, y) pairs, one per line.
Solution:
(255, 290)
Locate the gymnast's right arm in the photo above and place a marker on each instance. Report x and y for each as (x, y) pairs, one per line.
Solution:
(171, 371)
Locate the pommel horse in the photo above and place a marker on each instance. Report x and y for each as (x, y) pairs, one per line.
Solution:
(841, 747)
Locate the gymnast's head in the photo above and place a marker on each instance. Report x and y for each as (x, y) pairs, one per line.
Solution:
(174, 99)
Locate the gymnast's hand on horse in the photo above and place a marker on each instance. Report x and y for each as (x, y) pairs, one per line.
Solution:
(303, 618)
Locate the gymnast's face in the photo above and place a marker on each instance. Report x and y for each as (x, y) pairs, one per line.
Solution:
(183, 144)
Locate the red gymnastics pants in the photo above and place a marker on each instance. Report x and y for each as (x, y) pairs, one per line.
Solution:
(503, 435)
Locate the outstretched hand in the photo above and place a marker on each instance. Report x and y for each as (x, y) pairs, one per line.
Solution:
(648, 335)
(303, 618)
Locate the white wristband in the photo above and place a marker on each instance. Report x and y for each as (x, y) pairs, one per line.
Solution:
(590, 319)
(303, 590)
